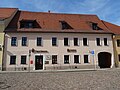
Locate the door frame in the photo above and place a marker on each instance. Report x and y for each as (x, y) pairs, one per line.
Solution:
(43, 61)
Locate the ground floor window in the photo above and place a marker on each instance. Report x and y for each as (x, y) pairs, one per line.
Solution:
(23, 59)
(66, 59)
(12, 60)
(54, 59)
(85, 58)
(76, 58)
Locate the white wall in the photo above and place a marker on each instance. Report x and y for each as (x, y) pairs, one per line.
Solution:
(59, 50)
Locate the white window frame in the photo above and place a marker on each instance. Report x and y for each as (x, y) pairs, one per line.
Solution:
(87, 41)
(77, 42)
(79, 59)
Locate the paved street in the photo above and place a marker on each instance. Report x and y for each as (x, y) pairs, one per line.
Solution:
(79, 80)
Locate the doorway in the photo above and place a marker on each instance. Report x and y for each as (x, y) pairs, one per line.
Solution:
(39, 62)
(104, 60)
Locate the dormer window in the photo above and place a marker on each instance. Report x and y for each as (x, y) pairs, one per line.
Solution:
(65, 25)
(29, 24)
(95, 26)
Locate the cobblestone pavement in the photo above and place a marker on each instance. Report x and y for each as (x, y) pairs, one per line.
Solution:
(79, 80)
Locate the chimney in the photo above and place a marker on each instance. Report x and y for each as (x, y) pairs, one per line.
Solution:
(48, 11)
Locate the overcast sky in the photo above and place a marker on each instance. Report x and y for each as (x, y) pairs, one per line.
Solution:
(108, 10)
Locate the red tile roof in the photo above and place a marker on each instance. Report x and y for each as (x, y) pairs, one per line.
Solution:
(112, 27)
(6, 12)
(49, 22)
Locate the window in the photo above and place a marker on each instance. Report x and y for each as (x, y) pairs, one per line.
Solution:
(85, 58)
(66, 42)
(23, 59)
(76, 58)
(118, 42)
(119, 57)
(105, 42)
(85, 42)
(39, 41)
(12, 60)
(95, 26)
(65, 25)
(75, 41)
(24, 41)
(54, 59)
(98, 41)
(66, 59)
(54, 41)
(14, 41)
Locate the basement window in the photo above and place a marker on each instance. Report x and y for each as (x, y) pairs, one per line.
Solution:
(65, 25)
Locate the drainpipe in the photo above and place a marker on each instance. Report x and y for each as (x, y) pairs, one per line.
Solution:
(116, 63)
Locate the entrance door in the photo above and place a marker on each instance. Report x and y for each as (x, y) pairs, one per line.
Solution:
(104, 60)
(38, 62)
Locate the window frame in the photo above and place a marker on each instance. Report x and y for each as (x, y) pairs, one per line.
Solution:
(105, 44)
(99, 42)
(77, 41)
(13, 62)
(14, 43)
(87, 58)
(54, 44)
(67, 41)
(118, 44)
(78, 58)
(86, 42)
(25, 59)
(24, 42)
(55, 61)
(68, 61)
(41, 41)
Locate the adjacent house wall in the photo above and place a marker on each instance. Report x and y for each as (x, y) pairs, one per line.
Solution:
(116, 49)
(3, 24)
(59, 50)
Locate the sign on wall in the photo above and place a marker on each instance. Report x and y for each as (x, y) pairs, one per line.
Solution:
(48, 57)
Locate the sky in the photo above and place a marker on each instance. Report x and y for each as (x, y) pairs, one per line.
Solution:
(108, 10)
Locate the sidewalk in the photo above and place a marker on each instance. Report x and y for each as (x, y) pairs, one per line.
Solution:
(49, 71)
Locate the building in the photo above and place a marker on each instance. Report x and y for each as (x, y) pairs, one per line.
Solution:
(53, 41)
(6, 14)
(116, 41)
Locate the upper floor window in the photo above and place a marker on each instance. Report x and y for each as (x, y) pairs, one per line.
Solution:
(85, 42)
(118, 42)
(65, 25)
(98, 42)
(39, 41)
(54, 41)
(54, 59)
(14, 41)
(105, 42)
(29, 24)
(24, 41)
(12, 60)
(23, 59)
(66, 59)
(76, 42)
(66, 42)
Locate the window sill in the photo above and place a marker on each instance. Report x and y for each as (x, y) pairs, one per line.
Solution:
(24, 64)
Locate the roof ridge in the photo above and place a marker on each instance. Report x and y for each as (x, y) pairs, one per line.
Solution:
(57, 13)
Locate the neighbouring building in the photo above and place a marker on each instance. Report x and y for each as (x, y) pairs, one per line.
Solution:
(6, 14)
(53, 41)
(116, 41)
